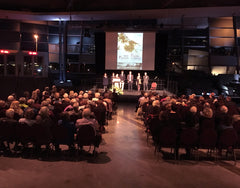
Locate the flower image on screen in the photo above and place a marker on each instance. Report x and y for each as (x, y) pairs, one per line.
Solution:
(130, 51)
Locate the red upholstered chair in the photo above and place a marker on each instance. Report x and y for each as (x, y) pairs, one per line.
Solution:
(228, 140)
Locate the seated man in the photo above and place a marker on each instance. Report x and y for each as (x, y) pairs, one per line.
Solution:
(88, 119)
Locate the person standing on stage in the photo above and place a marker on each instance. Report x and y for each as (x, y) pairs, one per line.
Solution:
(130, 80)
(139, 81)
(145, 81)
(112, 77)
(105, 81)
(122, 80)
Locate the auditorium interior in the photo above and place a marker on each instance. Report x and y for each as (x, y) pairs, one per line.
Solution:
(190, 51)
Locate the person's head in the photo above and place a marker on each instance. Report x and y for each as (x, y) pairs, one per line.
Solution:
(85, 96)
(65, 95)
(30, 102)
(10, 98)
(44, 112)
(224, 109)
(113, 74)
(168, 106)
(116, 75)
(193, 109)
(10, 113)
(138, 74)
(86, 113)
(65, 116)
(97, 95)
(56, 95)
(130, 72)
(22, 100)
(206, 105)
(2, 104)
(44, 103)
(105, 74)
(207, 112)
(145, 73)
(14, 105)
(156, 103)
(122, 72)
(29, 113)
(76, 106)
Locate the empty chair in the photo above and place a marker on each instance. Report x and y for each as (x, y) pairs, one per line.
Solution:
(188, 139)
(208, 140)
(7, 131)
(86, 137)
(227, 140)
(167, 138)
(62, 135)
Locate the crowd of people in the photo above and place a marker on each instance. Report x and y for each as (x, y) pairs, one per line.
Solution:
(198, 112)
(57, 107)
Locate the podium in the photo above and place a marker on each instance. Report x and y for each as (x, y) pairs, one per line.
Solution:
(116, 82)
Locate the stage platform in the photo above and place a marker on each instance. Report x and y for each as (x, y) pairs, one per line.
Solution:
(132, 96)
(137, 93)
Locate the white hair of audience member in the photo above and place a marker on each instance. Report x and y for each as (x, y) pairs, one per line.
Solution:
(86, 113)
(44, 111)
(73, 101)
(145, 94)
(224, 109)
(65, 95)
(156, 103)
(10, 98)
(193, 109)
(30, 102)
(76, 106)
(75, 95)
(152, 98)
(10, 113)
(85, 96)
(2, 103)
(97, 95)
(44, 103)
(22, 100)
(49, 100)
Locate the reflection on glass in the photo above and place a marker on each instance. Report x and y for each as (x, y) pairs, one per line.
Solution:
(1, 65)
(27, 65)
(11, 65)
(38, 66)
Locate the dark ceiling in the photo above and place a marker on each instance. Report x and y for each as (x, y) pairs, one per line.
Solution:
(101, 5)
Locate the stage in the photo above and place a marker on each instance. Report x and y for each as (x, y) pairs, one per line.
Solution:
(137, 93)
(133, 96)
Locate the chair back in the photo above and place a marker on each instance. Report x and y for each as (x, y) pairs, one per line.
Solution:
(86, 135)
(167, 137)
(62, 135)
(227, 138)
(7, 130)
(208, 139)
(189, 137)
(25, 133)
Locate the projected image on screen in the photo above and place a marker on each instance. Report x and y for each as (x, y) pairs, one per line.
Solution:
(130, 51)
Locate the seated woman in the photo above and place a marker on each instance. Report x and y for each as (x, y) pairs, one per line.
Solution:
(66, 123)
(154, 123)
(29, 117)
(89, 121)
(192, 118)
(223, 119)
(206, 120)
